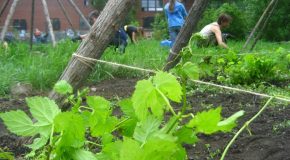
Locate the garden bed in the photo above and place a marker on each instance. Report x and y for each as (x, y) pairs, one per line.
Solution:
(270, 132)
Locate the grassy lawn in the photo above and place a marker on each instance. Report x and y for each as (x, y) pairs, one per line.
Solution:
(42, 66)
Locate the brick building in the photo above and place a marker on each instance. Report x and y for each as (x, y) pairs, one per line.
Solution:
(22, 15)
(21, 19)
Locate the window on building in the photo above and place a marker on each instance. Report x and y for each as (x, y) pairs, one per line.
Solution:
(152, 5)
(83, 25)
(55, 24)
(147, 21)
(86, 3)
(20, 24)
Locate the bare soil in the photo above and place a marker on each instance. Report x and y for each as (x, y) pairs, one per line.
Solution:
(269, 140)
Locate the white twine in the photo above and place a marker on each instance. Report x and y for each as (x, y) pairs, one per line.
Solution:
(82, 58)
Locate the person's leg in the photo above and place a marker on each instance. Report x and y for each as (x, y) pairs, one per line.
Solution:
(172, 34)
(122, 46)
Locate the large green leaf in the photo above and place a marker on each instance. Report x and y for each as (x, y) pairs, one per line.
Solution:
(145, 97)
(146, 128)
(37, 144)
(43, 109)
(62, 87)
(206, 121)
(99, 127)
(168, 84)
(82, 154)
(186, 135)
(72, 127)
(191, 70)
(130, 150)
(229, 123)
(19, 123)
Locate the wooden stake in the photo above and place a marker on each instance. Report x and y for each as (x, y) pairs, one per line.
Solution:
(32, 23)
(95, 43)
(183, 37)
(65, 14)
(9, 17)
(263, 27)
(4, 7)
(258, 24)
(47, 17)
(80, 13)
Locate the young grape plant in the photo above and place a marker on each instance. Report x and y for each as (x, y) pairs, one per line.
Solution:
(148, 127)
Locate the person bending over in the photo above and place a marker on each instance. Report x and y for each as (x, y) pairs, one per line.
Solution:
(175, 13)
(212, 33)
(134, 32)
(120, 40)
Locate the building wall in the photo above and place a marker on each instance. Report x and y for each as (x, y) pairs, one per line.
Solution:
(23, 11)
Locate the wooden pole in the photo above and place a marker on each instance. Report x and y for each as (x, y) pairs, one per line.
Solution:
(183, 37)
(4, 7)
(47, 17)
(80, 13)
(258, 24)
(65, 14)
(95, 43)
(264, 26)
(9, 17)
(32, 23)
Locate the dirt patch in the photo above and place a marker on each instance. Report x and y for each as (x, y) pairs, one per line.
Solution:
(267, 142)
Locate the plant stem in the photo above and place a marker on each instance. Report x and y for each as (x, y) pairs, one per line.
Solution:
(167, 102)
(184, 98)
(120, 123)
(244, 127)
(96, 144)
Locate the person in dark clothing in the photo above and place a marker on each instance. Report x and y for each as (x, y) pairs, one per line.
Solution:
(133, 32)
(120, 40)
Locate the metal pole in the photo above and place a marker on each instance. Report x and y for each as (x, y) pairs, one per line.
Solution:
(32, 23)
(80, 12)
(65, 14)
(50, 28)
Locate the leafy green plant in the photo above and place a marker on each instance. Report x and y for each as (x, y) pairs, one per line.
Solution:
(140, 132)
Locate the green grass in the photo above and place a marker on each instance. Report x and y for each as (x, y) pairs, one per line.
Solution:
(43, 66)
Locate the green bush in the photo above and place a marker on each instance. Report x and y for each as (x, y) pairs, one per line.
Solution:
(160, 27)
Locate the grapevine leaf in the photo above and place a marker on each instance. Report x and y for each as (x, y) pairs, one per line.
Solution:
(100, 127)
(229, 123)
(191, 70)
(206, 121)
(6, 156)
(19, 123)
(130, 150)
(37, 144)
(102, 107)
(126, 106)
(72, 127)
(160, 149)
(146, 96)
(110, 151)
(146, 128)
(169, 85)
(107, 138)
(43, 109)
(62, 87)
(186, 135)
(82, 154)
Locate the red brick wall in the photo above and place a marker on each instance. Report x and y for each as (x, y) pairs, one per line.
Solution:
(23, 11)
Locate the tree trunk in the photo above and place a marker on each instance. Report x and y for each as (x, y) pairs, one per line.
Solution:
(183, 37)
(80, 12)
(4, 7)
(65, 14)
(95, 43)
(258, 24)
(259, 35)
(48, 21)
(7, 21)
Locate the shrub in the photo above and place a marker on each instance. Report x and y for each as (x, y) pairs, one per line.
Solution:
(160, 29)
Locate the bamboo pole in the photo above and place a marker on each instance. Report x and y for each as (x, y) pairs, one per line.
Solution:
(32, 23)
(9, 17)
(4, 7)
(263, 27)
(80, 13)
(258, 24)
(65, 14)
(47, 17)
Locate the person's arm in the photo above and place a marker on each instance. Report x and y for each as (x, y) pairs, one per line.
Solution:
(218, 35)
(183, 11)
(83, 36)
(134, 37)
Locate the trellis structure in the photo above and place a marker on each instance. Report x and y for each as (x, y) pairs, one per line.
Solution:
(47, 17)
